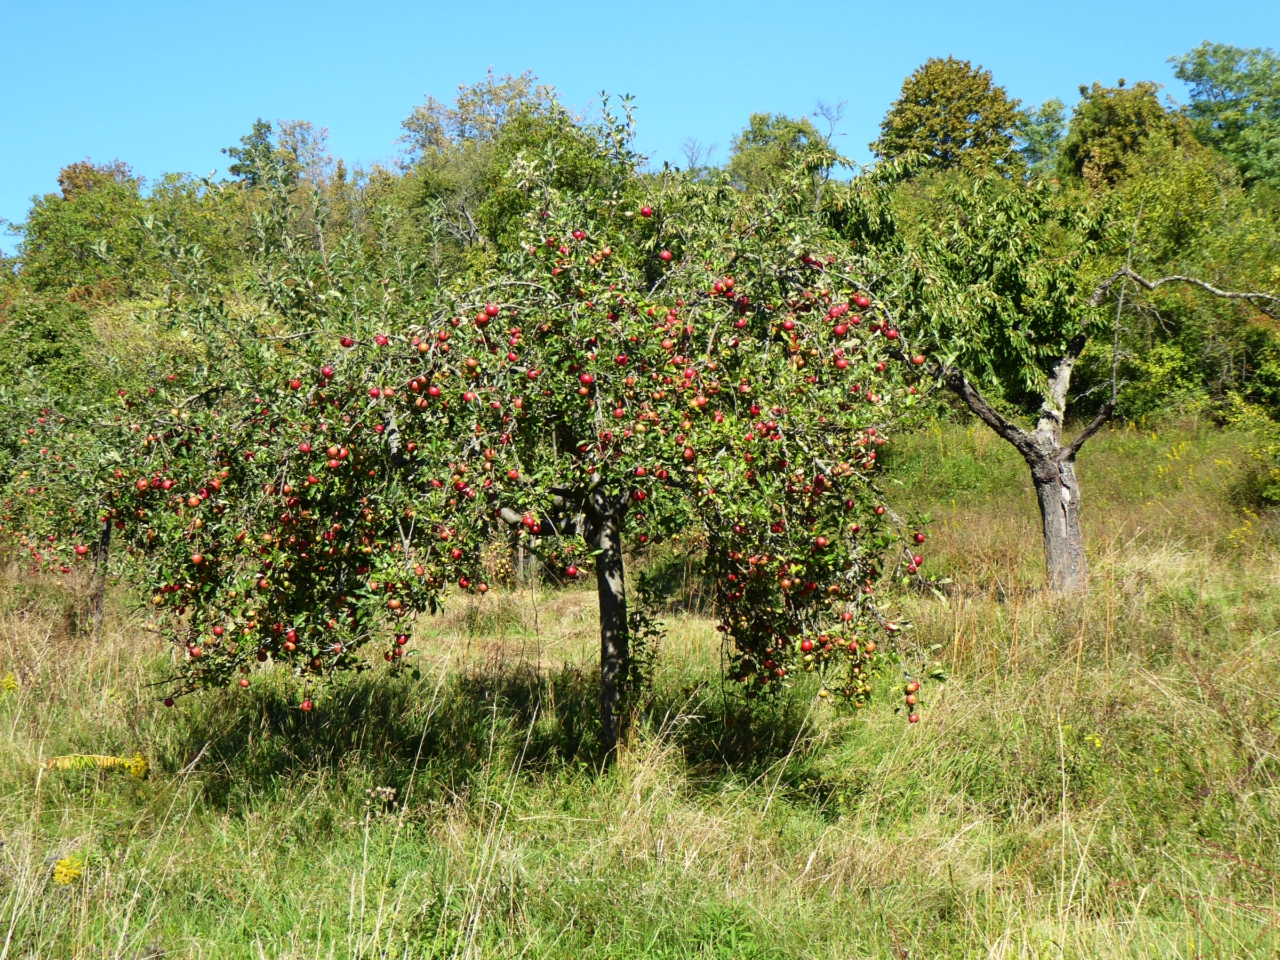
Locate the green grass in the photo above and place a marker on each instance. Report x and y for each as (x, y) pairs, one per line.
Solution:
(1097, 778)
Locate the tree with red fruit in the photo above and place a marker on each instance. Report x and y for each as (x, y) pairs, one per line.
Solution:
(352, 433)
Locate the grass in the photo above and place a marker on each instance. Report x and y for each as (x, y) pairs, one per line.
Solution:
(1096, 779)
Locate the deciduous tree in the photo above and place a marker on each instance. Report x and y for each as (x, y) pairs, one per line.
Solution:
(1109, 127)
(953, 113)
(1235, 105)
(656, 357)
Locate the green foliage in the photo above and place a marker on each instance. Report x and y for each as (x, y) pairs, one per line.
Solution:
(1185, 210)
(952, 112)
(566, 157)
(87, 239)
(1235, 105)
(283, 156)
(43, 345)
(467, 186)
(257, 160)
(991, 274)
(346, 435)
(93, 242)
(478, 114)
(1040, 132)
(1109, 126)
(773, 144)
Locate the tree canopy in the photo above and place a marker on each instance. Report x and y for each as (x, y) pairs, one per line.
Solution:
(953, 113)
(1235, 105)
(308, 398)
(1109, 127)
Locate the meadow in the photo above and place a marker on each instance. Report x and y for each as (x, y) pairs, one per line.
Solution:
(1095, 779)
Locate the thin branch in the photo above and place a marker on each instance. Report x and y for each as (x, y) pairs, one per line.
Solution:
(1128, 265)
(1100, 293)
(1094, 426)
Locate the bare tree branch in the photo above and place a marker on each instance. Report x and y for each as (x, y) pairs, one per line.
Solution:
(1100, 293)
(1093, 427)
(1011, 432)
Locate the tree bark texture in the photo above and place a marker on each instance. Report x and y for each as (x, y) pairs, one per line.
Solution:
(1053, 470)
(1053, 464)
(1059, 496)
(614, 645)
(597, 516)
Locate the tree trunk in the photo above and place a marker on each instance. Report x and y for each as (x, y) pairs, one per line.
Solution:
(597, 517)
(98, 590)
(1059, 495)
(1053, 469)
(614, 652)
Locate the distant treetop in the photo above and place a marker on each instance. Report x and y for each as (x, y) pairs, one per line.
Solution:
(1109, 126)
(951, 111)
(1235, 105)
(479, 112)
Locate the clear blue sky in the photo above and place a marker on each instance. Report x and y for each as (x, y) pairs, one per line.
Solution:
(163, 86)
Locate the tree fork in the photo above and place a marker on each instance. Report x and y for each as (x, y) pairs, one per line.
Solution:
(1053, 472)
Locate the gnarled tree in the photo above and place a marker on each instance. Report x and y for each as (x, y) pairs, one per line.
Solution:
(1002, 285)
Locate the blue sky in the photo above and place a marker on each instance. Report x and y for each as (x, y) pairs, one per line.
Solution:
(163, 86)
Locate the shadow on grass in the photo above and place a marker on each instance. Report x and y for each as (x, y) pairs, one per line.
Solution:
(379, 730)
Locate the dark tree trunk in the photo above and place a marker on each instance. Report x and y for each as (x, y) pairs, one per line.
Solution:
(98, 589)
(614, 645)
(597, 517)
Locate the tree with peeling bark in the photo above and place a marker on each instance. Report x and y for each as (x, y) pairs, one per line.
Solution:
(659, 356)
(1004, 286)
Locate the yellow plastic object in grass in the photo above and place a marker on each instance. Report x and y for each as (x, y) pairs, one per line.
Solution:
(136, 765)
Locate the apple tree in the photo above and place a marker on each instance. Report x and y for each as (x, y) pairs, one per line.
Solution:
(658, 355)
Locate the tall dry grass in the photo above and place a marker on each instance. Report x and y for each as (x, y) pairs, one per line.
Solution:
(1095, 779)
